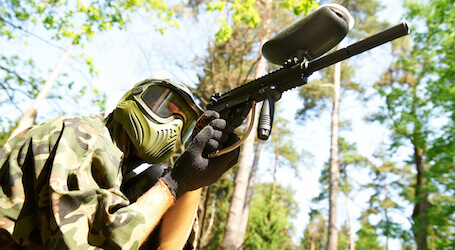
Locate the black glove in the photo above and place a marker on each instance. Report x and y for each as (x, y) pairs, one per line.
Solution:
(194, 169)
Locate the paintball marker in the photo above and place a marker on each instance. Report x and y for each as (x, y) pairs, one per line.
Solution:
(298, 49)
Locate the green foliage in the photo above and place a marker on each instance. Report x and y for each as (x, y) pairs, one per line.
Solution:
(389, 182)
(298, 7)
(368, 238)
(233, 54)
(269, 224)
(78, 20)
(282, 146)
(19, 82)
(350, 162)
(231, 62)
(315, 233)
(3, 138)
(348, 158)
(419, 108)
(100, 99)
(244, 11)
(247, 12)
(329, 88)
(343, 237)
(224, 32)
(228, 64)
(220, 194)
(317, 94)
(367, 21)
(56, 21)
(435, 42)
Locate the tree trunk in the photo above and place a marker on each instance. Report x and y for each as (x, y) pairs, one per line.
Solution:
(421, 195)
(29, 116)
(205, 237)
(203, 209)
(272, 192)
(231, 235)
(332, 241)
(272, 196)
(351, 231)
(386, 215)
(250, 188)
(233, 238)
(421, 202)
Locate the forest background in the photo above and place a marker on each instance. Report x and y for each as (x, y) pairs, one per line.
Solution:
(395, 168)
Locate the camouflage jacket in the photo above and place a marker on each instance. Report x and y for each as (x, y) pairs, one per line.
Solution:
(60, 185)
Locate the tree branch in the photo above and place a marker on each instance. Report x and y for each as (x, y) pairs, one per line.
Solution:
(31, 34)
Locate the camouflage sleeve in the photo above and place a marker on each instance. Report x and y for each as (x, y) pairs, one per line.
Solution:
(60, 189)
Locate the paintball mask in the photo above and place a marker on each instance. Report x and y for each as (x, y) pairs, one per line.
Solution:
(158, 116)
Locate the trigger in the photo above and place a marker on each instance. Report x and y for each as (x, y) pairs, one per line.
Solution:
(238, 115)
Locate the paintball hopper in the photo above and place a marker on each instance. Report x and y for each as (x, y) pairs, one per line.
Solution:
(311, 36)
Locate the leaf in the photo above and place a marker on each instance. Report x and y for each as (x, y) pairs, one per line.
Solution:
(225, 31)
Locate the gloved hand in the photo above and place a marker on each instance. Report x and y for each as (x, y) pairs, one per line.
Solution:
(194, 169)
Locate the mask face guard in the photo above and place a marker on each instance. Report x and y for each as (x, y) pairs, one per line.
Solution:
(163, 103)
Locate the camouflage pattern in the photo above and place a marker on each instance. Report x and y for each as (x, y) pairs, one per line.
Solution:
(60, 188)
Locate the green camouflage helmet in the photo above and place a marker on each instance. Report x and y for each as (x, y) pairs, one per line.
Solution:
(158, 115)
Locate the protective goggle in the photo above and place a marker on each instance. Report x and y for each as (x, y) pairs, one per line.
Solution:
(166, 103)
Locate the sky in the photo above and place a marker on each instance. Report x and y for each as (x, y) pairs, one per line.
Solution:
(125, 58)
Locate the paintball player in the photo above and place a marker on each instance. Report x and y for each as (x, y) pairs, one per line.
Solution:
(62, 181)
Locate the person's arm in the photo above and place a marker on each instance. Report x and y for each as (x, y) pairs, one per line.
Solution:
(152, 210)
(178, 221)
(177, 215)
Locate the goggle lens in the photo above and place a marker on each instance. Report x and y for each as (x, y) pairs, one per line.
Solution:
(165, 102)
